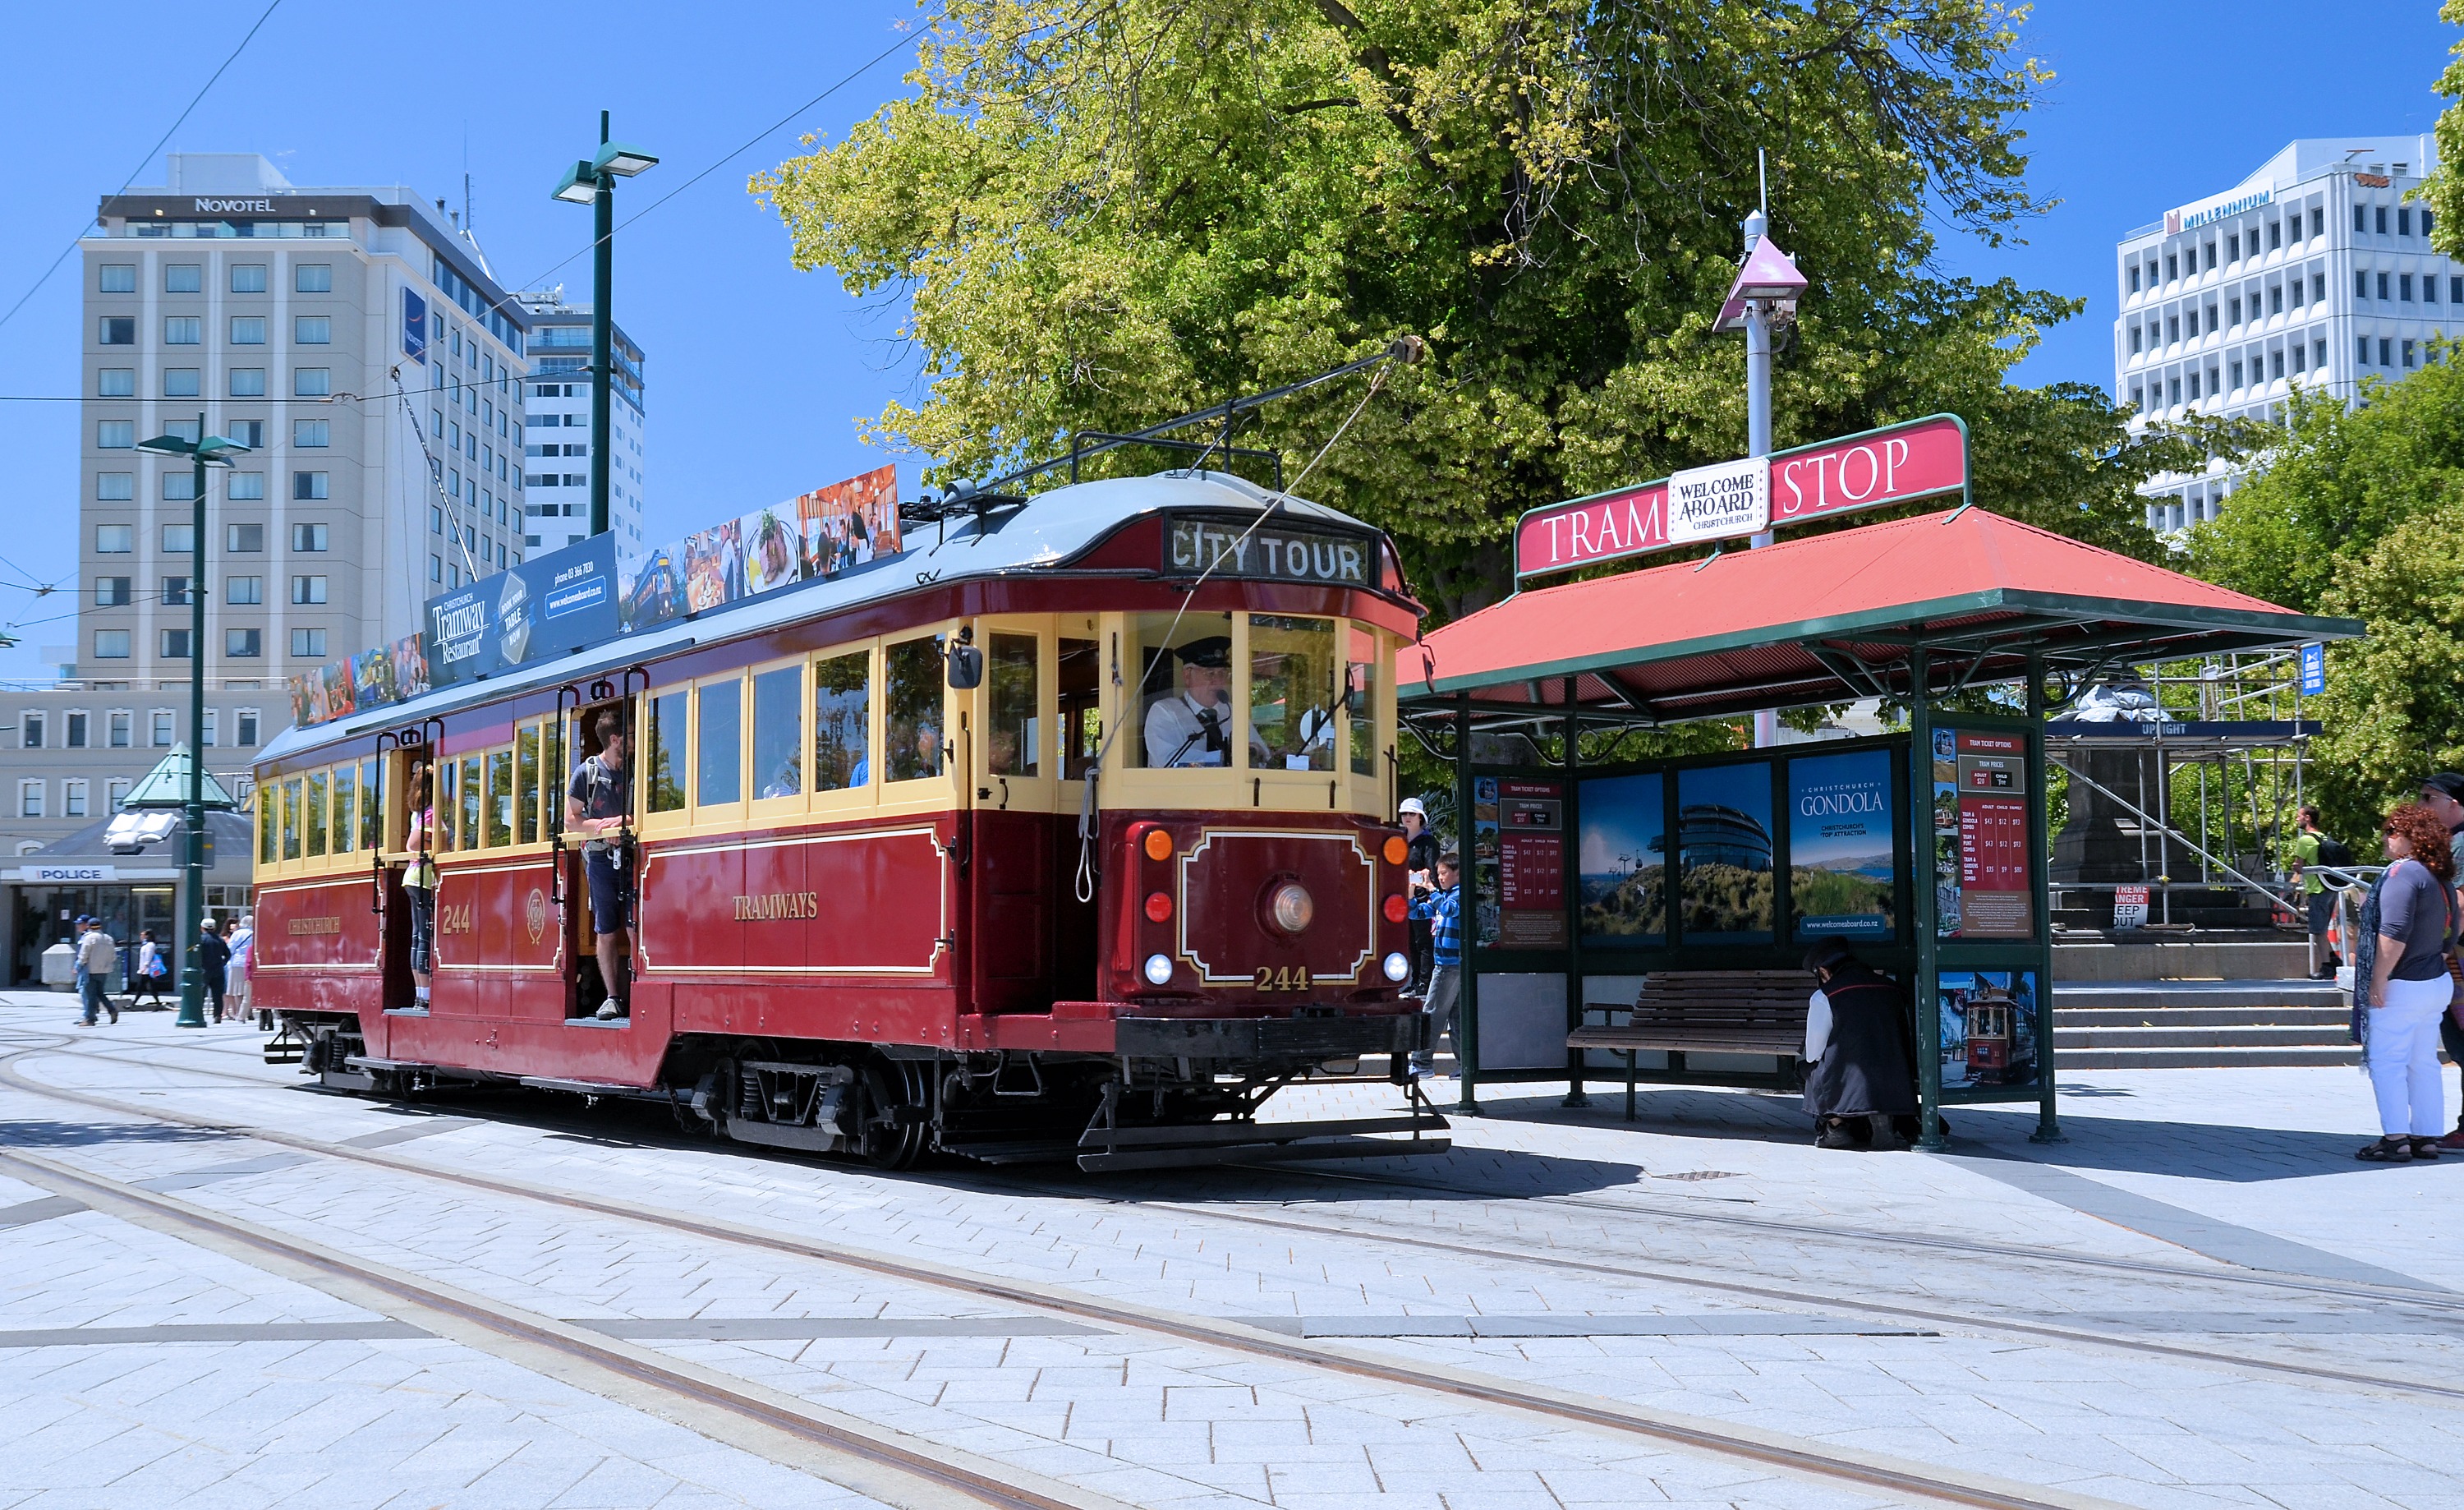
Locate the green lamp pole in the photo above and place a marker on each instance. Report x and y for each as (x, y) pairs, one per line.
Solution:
(204, 452)
(593, 183)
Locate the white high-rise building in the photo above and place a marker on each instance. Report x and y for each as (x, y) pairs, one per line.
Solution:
(557, 444)
(2314, 271)
(352, 338)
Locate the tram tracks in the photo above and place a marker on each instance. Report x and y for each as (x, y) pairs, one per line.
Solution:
(1895, 1480)
(1791, 1294)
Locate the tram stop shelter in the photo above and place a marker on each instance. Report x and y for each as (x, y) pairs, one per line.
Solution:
(1666, 904)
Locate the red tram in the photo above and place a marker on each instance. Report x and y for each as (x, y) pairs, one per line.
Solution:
(944, 853)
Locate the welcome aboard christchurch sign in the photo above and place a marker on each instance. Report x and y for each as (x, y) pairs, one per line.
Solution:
(1892, 465)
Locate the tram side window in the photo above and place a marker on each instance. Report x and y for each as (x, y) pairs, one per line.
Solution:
(1013, 726)
(500, 798)
(269, 806)
(441, 804)
(526, 785)
(291, 820)
(346, 807)
(718, 770)
(371, 805)
(1293, 678)
(666, 766)
(466, 831)
(315, 818)
(912, 709)
(1079, 672)
(1183, 664)
(841, 721)
(779, 732)
(1360, 700)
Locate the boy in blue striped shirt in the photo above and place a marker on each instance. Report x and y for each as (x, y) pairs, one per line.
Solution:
(1444, 910)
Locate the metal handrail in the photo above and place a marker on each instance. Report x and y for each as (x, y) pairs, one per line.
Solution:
(2187, 842)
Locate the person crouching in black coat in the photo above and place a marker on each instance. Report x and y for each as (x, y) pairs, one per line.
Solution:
(1862, 1087)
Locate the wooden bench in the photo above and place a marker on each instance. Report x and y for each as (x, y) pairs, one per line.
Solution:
(1705, 1012)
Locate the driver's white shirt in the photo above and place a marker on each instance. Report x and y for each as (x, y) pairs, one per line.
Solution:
(1177, 736)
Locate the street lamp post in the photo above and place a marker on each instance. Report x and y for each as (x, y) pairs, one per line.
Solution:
(593, 183)
(204, 452)
(1764, 295)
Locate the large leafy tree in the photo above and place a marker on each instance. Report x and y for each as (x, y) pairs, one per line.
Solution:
(2359, 513)
(1099, 212)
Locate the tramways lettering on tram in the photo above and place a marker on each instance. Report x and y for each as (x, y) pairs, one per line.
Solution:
(1281, 555)
(308, 928)
(778, 906)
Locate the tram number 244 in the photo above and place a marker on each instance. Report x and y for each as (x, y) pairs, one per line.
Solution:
(1286, 978)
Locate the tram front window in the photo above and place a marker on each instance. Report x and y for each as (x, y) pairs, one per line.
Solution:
(912, 709)
(1185, 713)
(1294, 681)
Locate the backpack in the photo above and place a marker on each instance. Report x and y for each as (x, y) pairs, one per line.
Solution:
(2332, 852)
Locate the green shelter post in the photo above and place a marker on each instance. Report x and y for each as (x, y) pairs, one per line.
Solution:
(2040, 805)
(1468, 998)
(1928, 941)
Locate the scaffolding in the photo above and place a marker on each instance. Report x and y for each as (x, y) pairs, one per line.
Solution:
(2220, 753)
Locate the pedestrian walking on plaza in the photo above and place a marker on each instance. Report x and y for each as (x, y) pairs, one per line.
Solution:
(2402, 985)
(1442, 907)
(1420, 865)
(2443, 794)
(213, 962)
(243, 944)
(77, 953)
(96, 953)
(2314, 847)
(149, 973)
(1864, 1085)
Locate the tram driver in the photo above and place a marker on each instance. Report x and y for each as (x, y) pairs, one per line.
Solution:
(597, 804)
(1196, 727)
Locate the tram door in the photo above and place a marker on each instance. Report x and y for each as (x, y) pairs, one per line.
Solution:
(388, 858)
(589, 979)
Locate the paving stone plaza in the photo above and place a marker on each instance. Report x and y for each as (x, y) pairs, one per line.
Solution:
(219, 1287)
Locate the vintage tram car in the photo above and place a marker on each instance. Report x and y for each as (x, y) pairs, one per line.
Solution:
(945, 852)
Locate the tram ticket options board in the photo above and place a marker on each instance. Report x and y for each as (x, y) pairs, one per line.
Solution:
(1519, 863)
(1893, 465)
(1983, 886)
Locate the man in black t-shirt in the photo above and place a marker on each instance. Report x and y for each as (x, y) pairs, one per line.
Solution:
(597, 804)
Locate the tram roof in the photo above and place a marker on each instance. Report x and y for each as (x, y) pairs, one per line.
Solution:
(1836, 618)
(1048, 531)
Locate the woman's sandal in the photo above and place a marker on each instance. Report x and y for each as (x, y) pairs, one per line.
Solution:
(2386, 1150)
(2424, 1148)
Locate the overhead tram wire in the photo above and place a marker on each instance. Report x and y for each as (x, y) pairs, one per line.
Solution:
(46, 275)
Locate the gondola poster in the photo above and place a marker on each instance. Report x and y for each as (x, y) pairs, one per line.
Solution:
(1844, 881)
(1624, 857)
(1723, 853)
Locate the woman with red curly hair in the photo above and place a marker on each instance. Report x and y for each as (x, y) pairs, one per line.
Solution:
(2407, 928)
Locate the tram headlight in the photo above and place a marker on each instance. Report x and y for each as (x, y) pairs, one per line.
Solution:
(1398, 969)
(1292, 907)
(1158, 969)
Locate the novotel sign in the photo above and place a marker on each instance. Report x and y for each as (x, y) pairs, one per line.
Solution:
(1896, 464)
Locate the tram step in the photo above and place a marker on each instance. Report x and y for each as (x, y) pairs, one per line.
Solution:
(1247, 1152)
(1254, 1132)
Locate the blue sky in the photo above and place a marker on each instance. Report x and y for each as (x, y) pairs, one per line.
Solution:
(1621, 816)
(757, 372)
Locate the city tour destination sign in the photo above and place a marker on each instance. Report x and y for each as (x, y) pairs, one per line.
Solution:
(1893, 465)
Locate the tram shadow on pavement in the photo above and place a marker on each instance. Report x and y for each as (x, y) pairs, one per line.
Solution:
(87, 1135)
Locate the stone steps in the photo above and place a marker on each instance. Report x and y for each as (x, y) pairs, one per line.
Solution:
(2208, 1024)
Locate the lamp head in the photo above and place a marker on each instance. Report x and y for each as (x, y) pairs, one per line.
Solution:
(166, 446)
(623, 160)
(581, 185)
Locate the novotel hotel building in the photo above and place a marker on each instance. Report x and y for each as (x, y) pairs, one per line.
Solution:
(2316, 271)
(356, 342)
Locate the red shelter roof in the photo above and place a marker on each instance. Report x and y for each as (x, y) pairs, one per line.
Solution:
(1836, 617)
